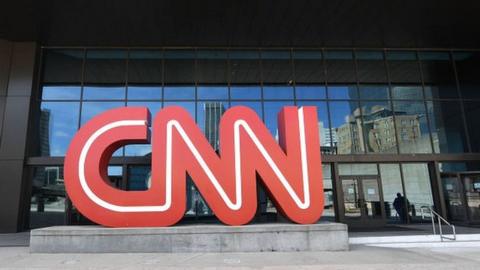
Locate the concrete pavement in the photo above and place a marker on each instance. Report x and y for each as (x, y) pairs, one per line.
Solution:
(358, 258)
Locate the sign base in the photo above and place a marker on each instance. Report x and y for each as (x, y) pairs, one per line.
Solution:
(191, 238)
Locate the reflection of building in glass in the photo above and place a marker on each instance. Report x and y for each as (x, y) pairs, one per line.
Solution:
(379, 130)
(328, 139)
(349, 140)
(213, 113)
(45, 132)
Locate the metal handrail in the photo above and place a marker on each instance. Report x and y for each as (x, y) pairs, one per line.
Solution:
(434, 214)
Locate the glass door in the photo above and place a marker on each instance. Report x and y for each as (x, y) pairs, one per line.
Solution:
(362, 199)
(454, 199)
(471, 183)
(462, 196)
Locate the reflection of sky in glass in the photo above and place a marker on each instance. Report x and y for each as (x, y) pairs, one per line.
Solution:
(144, 92)
(138, 149)
(245, 92)
(255, 105)
(339, 110)
(104, 92)
(189, 106)
(115, 170)
(278, 92)
(322, 114)
(310, 92)
(63, 123)
(342, 92)
(374, 92)
(272, 108)
(212, 92)
(142, 149)
(153, 107)
(93, 108)
(61, 93)
(178, 92)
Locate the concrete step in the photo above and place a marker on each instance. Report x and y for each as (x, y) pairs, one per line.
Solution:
(409, 241)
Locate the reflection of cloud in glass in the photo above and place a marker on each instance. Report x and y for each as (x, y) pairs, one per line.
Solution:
(62, 125)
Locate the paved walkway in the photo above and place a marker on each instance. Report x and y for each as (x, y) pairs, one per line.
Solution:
(14, 254)
(360, 257)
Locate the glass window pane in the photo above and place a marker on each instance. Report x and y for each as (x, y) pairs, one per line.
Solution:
(58, 125)
(208, 118)
(329, 206)
(310, 92)
(61, 93)
(212, 66)
(323, 125)
(447, 126)
(212, 92)
(441, 91)
(255, 105)
(407, 92)
(63, 66)
(93, 108)
(106, 66)
(371, 66)
(403, 67)
(115, 175)
(277, 92)
(391, 186)
(271, 110)
(179, 66)
(412, 127)
(138, 150)
(437, 68)
(188, 106)
(472, 113)
(245, 92)
(340, 67)
(244, 67)
(342, 92)
(144, 92)
(142, 149)
(357, 169)
(145, 66)
(378, 127)
(417, 188)
(374, 92)
(345, 120)
(139, 177)
(153, 107)
(47, 204)
(179, 92)
(103, 93)
(468, 67)
(277, 67)
(308, 66)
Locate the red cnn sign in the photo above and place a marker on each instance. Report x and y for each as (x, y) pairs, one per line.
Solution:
(290, 170)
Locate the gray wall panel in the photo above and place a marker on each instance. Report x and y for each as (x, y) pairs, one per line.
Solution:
(22, 68)
(15, 126)
(5, 55)
(17, 73)
(10, 190)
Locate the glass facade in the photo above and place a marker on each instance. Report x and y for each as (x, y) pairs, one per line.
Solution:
(369, 102)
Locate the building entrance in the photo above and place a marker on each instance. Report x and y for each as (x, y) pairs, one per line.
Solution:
(363, 203)
(462, 196)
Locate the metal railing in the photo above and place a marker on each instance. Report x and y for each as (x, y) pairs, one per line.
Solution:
(436, 216)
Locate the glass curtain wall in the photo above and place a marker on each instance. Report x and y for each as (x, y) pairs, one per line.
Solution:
(368, 101)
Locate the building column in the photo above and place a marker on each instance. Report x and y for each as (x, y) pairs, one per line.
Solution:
(17, 72)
